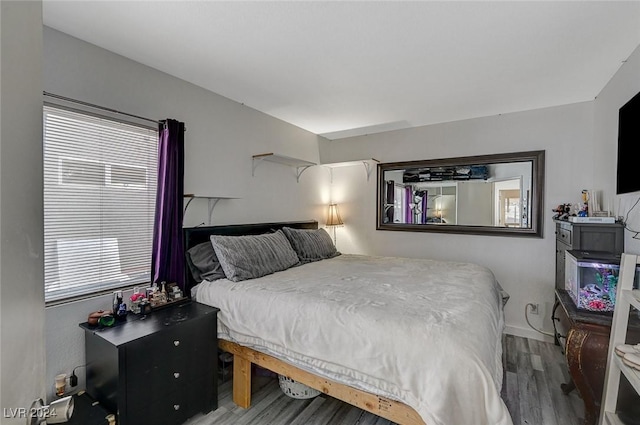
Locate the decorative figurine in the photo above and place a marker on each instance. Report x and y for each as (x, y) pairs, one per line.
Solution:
(562, 212)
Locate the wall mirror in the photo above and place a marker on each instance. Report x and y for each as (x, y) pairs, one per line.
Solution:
(500, 194)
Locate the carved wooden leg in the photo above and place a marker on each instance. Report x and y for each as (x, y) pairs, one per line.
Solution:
(241, 381)
(591, 416)
(586, 355)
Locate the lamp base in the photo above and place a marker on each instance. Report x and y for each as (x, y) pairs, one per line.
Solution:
(36, 413)
(58, 412)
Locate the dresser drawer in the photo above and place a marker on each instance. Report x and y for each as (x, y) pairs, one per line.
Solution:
(173, 343)
(564, 235)
(156, 382)
(166, 348)
(172, 409)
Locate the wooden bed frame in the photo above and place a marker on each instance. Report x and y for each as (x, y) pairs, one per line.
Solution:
(244, 357)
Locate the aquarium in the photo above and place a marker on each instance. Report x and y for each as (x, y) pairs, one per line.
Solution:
(591, 278)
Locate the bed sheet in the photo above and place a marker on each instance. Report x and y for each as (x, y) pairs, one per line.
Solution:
(423, 332)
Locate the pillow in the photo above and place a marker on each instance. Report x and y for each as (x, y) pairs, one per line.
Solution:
(251, 256)
(203, 263)
(311, 245)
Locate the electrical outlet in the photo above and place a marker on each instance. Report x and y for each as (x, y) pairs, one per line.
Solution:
(534, 308)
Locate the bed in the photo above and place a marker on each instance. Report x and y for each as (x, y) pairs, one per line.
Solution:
(415, 341)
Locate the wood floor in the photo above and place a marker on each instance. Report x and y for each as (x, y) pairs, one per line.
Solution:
(533, 372)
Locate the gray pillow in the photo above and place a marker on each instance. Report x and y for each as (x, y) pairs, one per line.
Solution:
(203, 263)
(251, 256)
(311, 245)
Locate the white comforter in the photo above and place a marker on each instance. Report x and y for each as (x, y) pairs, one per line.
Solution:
(424, 332)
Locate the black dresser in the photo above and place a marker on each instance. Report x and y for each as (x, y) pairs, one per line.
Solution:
(158, 369)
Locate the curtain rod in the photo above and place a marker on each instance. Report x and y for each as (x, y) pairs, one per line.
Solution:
(91, 105)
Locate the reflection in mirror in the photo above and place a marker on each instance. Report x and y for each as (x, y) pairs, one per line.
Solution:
(491, 194)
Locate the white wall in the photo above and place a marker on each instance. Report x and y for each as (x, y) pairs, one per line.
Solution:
(622, 87)
(221, 137)
(21, 221)
(581, 147)
(523, 266)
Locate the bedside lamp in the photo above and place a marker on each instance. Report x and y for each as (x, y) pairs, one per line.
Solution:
(334, 220)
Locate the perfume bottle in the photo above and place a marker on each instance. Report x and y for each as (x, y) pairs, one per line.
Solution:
(119, 308)
(117, 300)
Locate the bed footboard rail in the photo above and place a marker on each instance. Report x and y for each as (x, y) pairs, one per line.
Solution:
(243, 357)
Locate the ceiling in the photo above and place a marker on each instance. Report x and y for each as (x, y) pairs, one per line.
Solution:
(341, 69)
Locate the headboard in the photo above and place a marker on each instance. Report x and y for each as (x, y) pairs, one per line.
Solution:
(196, 235)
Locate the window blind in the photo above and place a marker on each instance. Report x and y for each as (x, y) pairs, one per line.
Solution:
(99, 202)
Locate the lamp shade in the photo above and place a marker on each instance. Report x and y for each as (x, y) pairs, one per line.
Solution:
(333, 219)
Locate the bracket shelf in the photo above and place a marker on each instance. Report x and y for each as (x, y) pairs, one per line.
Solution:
(299, 164)
(211, 200)
(367, 163)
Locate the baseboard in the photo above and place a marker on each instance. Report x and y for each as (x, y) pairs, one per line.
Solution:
(527, 333)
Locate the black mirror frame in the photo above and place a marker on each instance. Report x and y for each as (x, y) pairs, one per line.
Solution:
(536, 199)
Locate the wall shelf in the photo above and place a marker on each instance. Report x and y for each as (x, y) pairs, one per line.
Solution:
(211, 200)
(367, 163)
(299, 164)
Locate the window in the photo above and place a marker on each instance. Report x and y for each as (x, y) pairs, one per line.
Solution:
(99, 203)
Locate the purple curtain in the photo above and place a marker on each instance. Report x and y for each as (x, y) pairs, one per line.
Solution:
(167, 261)
(408, 199)
(424, 206)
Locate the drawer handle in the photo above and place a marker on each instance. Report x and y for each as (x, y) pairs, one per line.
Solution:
(176, 407)
(176, 375)
(176, 343)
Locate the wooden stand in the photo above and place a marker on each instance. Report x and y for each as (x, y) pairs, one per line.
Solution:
(587, 342)
(243, 357)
